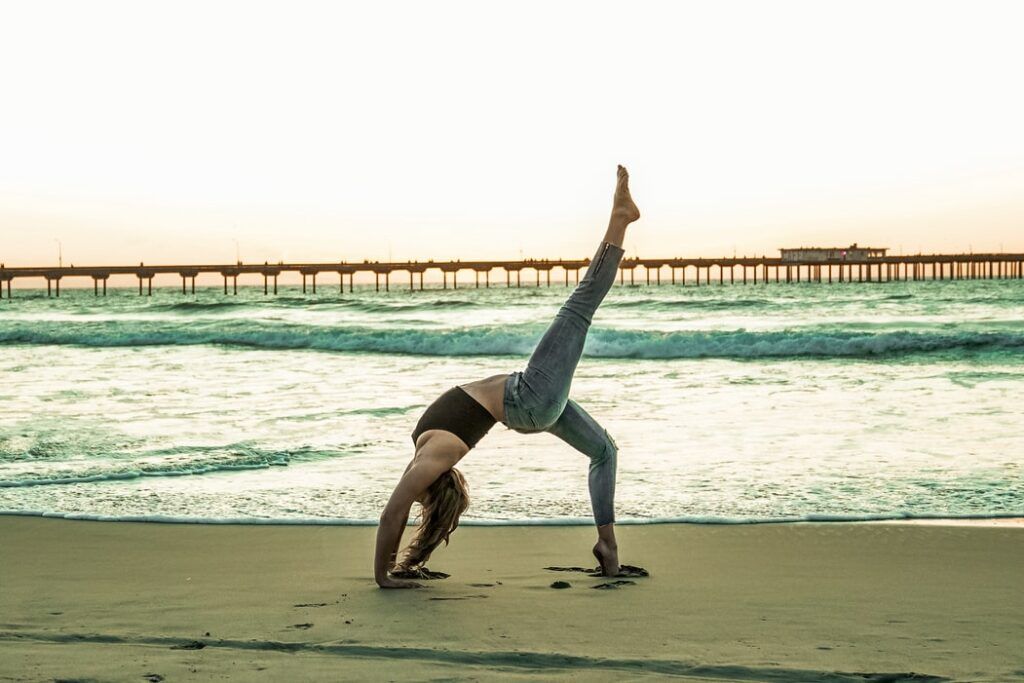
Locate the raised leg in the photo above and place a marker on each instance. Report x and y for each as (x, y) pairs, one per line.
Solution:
(544, 385)
(548, 374)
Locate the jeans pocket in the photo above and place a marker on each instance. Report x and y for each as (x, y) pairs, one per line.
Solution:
(519, 418)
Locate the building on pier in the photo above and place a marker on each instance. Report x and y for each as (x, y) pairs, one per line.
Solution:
(833, 254)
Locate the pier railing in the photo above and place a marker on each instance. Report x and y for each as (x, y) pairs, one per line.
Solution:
(734, 270)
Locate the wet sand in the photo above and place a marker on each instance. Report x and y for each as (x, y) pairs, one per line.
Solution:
(779, 602)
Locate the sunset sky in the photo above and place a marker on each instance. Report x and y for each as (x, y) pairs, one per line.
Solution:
(187, 131)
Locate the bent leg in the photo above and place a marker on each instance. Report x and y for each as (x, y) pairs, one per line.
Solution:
(581, 431)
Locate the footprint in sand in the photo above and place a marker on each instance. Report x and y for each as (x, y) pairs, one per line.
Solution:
(460, 597)
(626, 570)
(630, 570)
(421, 573)
(615, 584)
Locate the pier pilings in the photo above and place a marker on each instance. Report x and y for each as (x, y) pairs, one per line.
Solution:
(759, 270)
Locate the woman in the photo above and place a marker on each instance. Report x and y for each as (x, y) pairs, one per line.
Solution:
(534, 400)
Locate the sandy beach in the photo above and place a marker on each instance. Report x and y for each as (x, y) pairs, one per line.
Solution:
(780, 602)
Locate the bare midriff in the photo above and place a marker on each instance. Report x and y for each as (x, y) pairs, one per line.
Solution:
(490, 393)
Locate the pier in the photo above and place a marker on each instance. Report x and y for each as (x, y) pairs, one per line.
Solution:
(683, 271)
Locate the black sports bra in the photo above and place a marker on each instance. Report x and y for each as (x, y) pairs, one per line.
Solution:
(457, 412)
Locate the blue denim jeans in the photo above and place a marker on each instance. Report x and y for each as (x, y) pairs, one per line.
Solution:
(537, 399)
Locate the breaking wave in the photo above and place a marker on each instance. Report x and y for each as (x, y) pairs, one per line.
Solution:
(518, 340)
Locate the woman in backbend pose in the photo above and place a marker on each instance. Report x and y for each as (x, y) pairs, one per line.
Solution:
(534, 400)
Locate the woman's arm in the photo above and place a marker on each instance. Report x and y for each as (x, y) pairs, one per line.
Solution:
(421, 474)
(389, 536)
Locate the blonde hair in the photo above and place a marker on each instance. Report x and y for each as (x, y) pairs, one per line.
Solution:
(447, 498)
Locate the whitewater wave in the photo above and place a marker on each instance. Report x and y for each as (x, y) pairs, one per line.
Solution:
(761, 303)
(701, 304)
(190, 307)
(519, 340)
(173, 462)
(136, 474)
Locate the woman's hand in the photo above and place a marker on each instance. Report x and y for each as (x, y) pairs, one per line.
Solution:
(388, 582)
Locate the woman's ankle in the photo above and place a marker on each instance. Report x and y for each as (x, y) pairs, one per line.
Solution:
(606, 536)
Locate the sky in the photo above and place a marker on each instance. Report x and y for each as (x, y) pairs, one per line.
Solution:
(202, 132)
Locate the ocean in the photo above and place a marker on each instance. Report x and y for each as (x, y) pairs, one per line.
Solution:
(729, 404)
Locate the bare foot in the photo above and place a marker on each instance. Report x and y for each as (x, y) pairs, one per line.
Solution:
(607, 555)
(624, 211)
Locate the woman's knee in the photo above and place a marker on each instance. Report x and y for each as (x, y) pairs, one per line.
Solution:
(607, 454)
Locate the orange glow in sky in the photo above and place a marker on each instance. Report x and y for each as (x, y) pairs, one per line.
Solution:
(177, 132)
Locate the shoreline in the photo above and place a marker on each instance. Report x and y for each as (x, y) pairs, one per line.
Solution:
(998, 520)
(794, 602)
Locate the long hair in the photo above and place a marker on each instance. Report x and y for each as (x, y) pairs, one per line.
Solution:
(447, 498)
